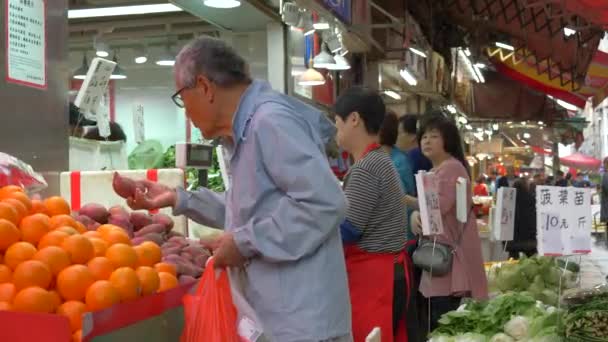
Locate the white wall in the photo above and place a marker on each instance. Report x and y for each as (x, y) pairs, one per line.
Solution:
(152, 86)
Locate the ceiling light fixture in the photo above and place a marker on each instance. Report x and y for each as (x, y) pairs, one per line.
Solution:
(569, 32)
(567, 105)
(479, 74)
(311, 77)
(118, 73)
(480, 65)
(505, 46)
(417, 52)
(122, 11)
(495, 127)
(333, 39)
(306, 24)
(463, 120)
(321, 24)
(324, 60)
(467, 52)
(469, 127)
(101, 47)
(526, 135)
(290, 14)
(166, 58)
(81, 73)
(408, 77)
(392, 94)
(222, 3)
(341, 63)
(472, 70)
(141, 55)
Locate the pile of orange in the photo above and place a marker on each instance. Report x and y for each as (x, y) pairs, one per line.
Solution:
(49, 263)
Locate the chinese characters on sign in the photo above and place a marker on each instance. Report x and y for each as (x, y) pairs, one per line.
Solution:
(504, 220)
(428, 199)
(26, 42)
(94, 87)
(563, 220)
(138, 123)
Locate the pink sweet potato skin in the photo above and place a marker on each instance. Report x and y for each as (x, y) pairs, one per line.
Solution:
(186, 279)
(123, 186)
(118, 211)
(164, 220)
(96, 212)
(154, 237)
(122, 222)
(140, 219)
(152, 228)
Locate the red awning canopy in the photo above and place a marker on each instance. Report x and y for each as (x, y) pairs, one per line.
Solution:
(581, 161)
(595, 11)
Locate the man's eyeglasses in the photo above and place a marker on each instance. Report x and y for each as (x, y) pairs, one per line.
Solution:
(177, 98)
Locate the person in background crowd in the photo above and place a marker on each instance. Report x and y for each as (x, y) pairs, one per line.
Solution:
(537, 180)
(409, 143)
(524, 240)
(388, 139)
(550, 181)
(441, 143)
(560, 180)
(81, 127)
(374, 230)
(503, 181)
(481, 189)
(283, 210)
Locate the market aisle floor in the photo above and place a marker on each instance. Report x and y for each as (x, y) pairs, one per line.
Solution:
(594, 267)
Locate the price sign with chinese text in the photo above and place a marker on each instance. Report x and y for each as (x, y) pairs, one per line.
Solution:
(427, 185)
(504, 219)
(94, 87)
(563, 220)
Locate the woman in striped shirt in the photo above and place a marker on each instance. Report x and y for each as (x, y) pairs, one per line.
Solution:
(374, 230)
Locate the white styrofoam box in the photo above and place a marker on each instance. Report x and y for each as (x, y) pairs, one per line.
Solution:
(92, 155)
(199, 231)
(96, 187)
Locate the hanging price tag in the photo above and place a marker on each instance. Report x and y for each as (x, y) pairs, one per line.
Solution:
(139, 129)
(94, 87)
(504, 219)
(427, 185)
(103, 122)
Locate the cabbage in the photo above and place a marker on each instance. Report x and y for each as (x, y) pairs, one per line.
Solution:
(471, 337)
(517, 327)
(442, 338)
(500, 337)
(511, 278)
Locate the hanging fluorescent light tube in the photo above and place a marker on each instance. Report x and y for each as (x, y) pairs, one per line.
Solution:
(469, 127)
(467, 52)
(417, 52)
(567, 105)
(480, 65)
(222, 3)
(392, 94)
(408, 77)
(463, 120)
(470, 66)
(122, 11)
(505, 46)
(479, 75)
(322, 24)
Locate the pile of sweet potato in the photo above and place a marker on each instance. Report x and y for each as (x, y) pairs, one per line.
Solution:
(188, 256)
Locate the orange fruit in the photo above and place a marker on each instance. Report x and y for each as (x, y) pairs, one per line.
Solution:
(166, 267)
(105, 228)
(21, 197)
(77, 337)
(115, 236)
(34, 299)
(125, 280)
(7, 292)
(1, 258)
(73, 282)
(18, 253)
(121, 255)
(54, 257)
(6, 274)
(7, 189)
(52, 238)
(167, 281)
(79, 248)
(100, 246)
(73, 310)
(9, 213)
(19, 207)
(38, 207)
(9, 234)
(101, 268)
(56, 298)
(63, 221)
(32, 273)
(81, 227)
(148, 253)
(149, 280)
(57, 206)
(68, 230)
(101, 295)
(92, 234)
(5, 306)
(34, 227)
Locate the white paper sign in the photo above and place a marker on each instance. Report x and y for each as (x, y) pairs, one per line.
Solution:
(427, 185)
(504, 219)
(139, 129)
(564, 220)
(26, 42)
(94, 87)
(103, 122)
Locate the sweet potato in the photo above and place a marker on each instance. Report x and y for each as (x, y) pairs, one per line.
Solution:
(164, 220)
(200, 260)
(186, 279)
(180, 240)
(140, 219)
(96, 212)
(195, 250)
(122, 222)
(123, 186)
(151, 228)
(187, 256)
(191, 269)
(118, 210)
(154, 237)
(171, 250)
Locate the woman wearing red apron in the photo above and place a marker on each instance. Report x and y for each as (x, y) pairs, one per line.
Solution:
(374, 231)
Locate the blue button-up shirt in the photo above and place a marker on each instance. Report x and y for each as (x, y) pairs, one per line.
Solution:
(284, 207)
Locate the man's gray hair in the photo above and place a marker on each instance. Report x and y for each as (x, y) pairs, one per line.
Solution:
(214, 59)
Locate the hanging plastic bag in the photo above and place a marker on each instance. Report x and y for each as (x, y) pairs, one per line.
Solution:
(15, 172)
(147, 155)
(218, 312)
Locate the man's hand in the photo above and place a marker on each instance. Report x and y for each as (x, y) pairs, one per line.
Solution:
(416, 223)
(225, 252)
(151, 195)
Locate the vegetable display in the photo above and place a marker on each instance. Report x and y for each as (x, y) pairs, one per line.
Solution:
(509, 317)
(587, 315)
(541, 277)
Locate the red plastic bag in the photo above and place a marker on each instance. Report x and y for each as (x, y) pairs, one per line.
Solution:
(15, 172)
(210, 314)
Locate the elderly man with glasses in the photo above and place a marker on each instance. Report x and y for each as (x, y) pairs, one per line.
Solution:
(282, 211)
